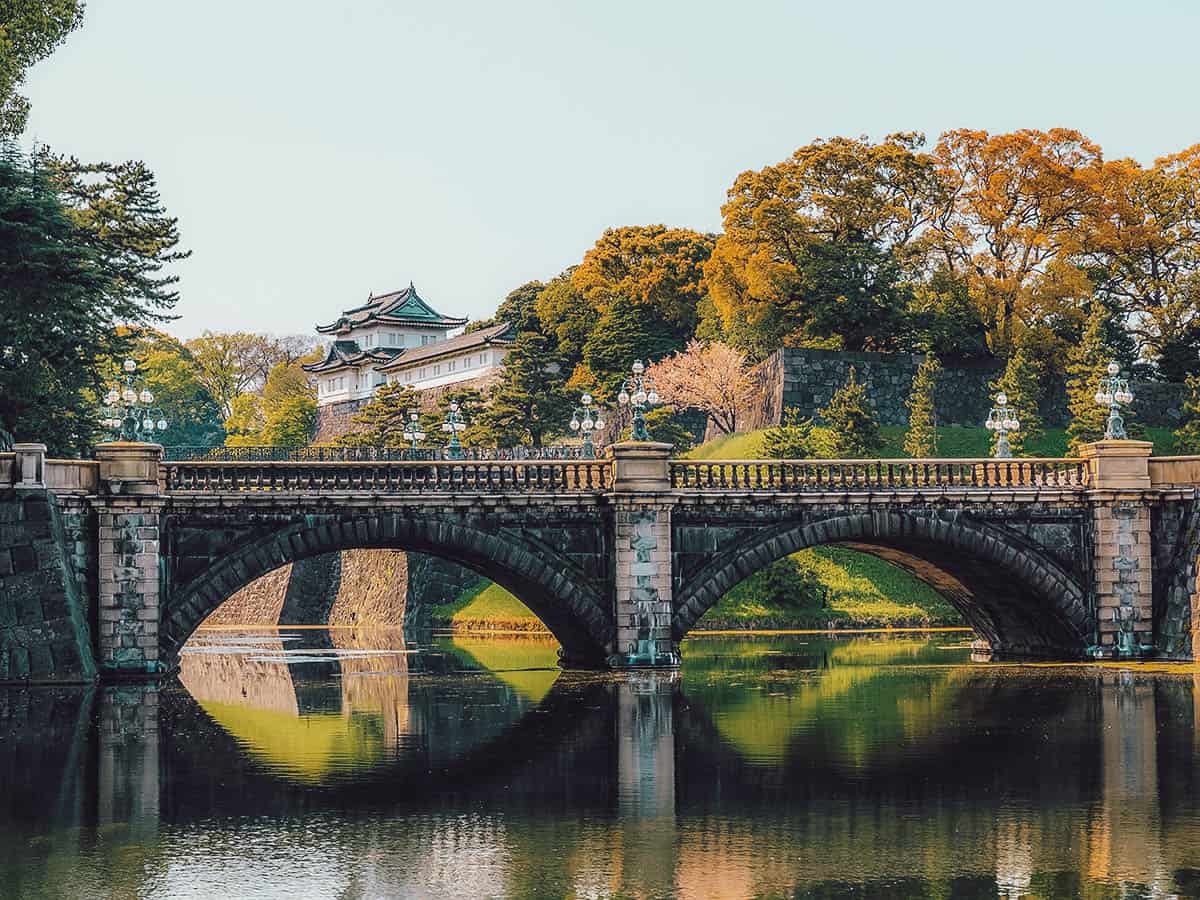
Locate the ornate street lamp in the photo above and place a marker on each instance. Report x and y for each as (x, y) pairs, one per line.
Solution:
(1002, 420)
(637, 393)
(454, 425)
(1114, 393)
(585, 420)
(128, 413)
(412, 430)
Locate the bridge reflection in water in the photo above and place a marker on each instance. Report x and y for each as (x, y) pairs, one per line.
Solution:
(346, 764)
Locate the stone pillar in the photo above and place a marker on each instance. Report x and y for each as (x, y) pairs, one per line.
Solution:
(30, 465)
(642, 503)
(129, 511)
(1119, 482)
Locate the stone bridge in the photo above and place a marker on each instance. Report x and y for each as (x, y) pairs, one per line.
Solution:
(110, 565)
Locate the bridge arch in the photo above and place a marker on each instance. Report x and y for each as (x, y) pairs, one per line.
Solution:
(1007, 589)
(543, 579)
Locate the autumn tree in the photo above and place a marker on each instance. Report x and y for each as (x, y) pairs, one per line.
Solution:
(828, 228)
(651, 265)
(850, 418)
(29, 32)
(1142, 245)
(920, 440)
(712, 378)
(233, 363)
(1012, 222)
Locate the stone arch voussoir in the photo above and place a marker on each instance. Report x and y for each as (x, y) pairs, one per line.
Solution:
(1051, 619)
(570, 607)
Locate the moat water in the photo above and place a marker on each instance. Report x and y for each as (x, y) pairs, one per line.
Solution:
(344, 764)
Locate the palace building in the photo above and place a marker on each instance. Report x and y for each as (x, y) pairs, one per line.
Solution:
(399, 338)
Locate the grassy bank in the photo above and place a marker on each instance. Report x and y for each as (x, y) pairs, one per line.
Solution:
(953, 442)
(865, 592)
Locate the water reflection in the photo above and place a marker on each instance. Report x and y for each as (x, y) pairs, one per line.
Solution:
(348, 764)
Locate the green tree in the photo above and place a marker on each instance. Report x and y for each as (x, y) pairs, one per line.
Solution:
(29, 32)
(136, 241)
(58, 323)
(1022, 383)
(795, 438)
(231, 363)
(244, 425)
(787, 584)
(519, 309)
(167, 368)
(921, 438)
(666, 426)
(290, 422)
(381, 422)
(850, 418)
(1087, 363)
(625, 332)
(1187, 436)
(530, 402)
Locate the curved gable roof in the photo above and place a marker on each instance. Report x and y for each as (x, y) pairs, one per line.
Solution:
(404, 307)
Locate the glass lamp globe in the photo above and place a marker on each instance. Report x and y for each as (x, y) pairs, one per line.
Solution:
(129, 395)
(147, 424)
(129, 365)
(599, 424)
(623, 398)
(446, 426)
(162, 424)
(990, 424)
(1010, 425)
(1099, 398)
(638, 368)
(419, 435)
(453, 407)
(588, 424)
(652, 397)
(574, 424)
(639, 398)
(1016, 424)
(460, 426)
(145, 396)
(112, 397)
(1124, 397)
(1113, 368)
(1002, 399)
(586, 399)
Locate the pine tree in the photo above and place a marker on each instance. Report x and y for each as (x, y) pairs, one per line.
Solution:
(1022, 382)
(530, 403)
(850, 417)
(1187, 436)
(381, 422)
(1086, 364)
(921, 437)
(793, 438)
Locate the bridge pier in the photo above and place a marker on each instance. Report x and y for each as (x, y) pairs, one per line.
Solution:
(1122, 550)
(129, 508)
(642, 606)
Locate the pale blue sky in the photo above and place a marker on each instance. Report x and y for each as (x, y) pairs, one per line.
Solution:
(314, 153)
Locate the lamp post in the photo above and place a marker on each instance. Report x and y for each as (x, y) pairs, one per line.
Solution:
(585, 421)
(454, 425)
(128, 413)
(1002, 420)
(637, 393)
(1114, 393)
(412, 430)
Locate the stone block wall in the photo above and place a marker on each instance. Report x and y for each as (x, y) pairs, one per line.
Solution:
(1123, 572)
(805, 380)
(128, 584)
(43, 629)
(643, 584)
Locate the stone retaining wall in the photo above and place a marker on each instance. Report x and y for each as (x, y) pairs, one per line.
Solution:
(43, 628)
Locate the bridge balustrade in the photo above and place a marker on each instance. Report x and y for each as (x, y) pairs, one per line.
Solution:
(384, 477)
(878, 474)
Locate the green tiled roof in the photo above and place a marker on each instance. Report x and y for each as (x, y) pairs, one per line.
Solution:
(396, 308)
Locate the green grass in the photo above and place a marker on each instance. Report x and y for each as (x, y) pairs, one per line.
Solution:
(864, 592)
(486, 606)
(954, 442)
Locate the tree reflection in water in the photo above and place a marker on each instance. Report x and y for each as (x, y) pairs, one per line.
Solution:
(344, 763)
